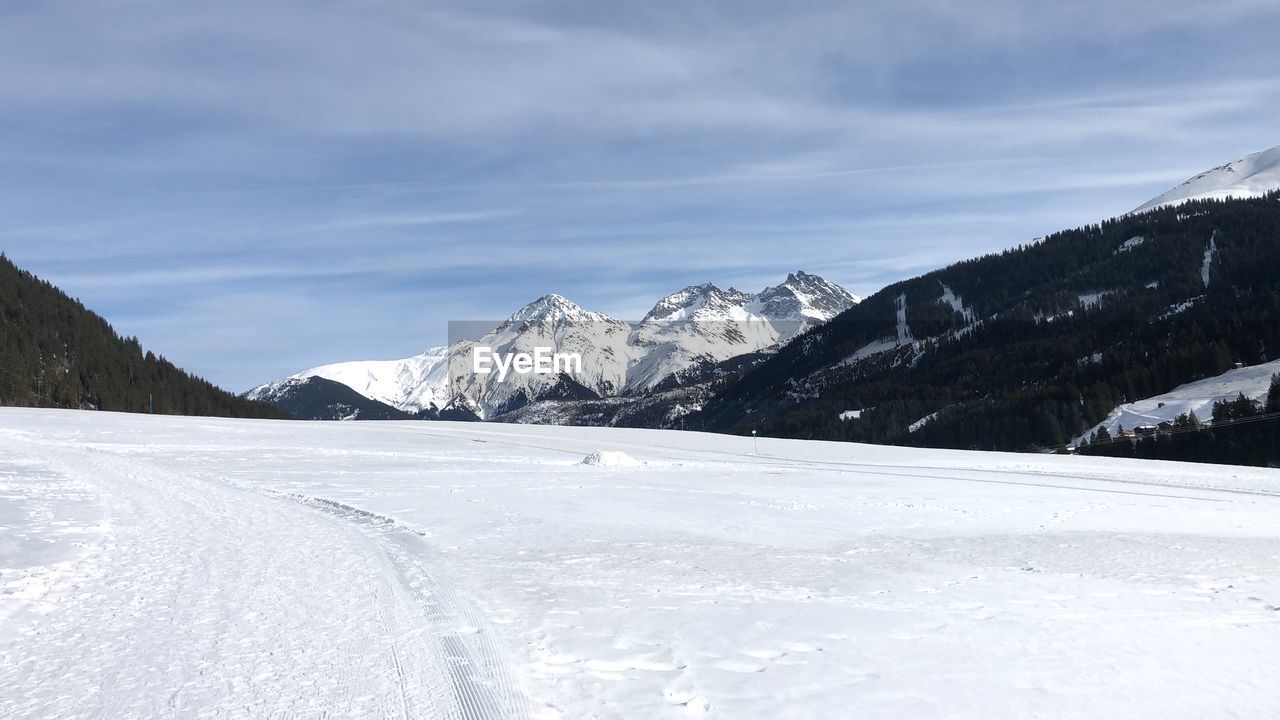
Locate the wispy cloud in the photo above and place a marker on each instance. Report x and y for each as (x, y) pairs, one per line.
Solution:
(409, 220)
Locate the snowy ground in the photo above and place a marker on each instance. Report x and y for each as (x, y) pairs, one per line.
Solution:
(179, 567)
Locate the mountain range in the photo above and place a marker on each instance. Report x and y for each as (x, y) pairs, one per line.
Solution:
(1027, 348)
(682, 340)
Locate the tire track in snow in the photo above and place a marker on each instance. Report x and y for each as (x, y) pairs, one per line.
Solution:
(402, 683)
(474, 657)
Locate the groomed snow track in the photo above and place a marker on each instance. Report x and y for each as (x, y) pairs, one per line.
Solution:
(240, 603)
(474, 661)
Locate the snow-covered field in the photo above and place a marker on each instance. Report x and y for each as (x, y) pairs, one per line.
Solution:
(182, 567)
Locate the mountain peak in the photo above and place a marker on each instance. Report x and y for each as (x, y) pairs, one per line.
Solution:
(683, 304)
(549, 303)
(1250, 176)
(800, 297)
(803, 295)
(555, 299)
(551, 310)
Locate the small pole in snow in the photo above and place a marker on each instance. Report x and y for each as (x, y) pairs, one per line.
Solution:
(151, 402)
(755, 447)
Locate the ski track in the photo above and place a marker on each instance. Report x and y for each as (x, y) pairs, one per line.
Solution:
(474, 659)
(242, 608)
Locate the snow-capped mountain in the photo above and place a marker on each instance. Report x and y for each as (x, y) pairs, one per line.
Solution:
(1250, 176)
(702, 325)
(549, 313)
(413, 384)
(684, 334)
(705, 301)
(802, 298)
(551, 321)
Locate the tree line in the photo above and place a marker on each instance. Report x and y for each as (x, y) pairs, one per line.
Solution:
(56, 353)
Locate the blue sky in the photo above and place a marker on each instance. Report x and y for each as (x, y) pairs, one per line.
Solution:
(257, 188)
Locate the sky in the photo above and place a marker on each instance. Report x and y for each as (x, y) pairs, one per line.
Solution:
(257, 188)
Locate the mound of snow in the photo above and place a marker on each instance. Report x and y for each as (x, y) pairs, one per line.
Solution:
(611, 458)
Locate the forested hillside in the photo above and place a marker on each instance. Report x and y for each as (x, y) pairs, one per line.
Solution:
(1031, 347)
(56, 353)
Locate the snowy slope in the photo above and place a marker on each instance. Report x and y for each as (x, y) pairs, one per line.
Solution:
(318, 398)
(411, 384)
(175, 567)
(1198, 397)
(685, 332)
(1250, 176)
